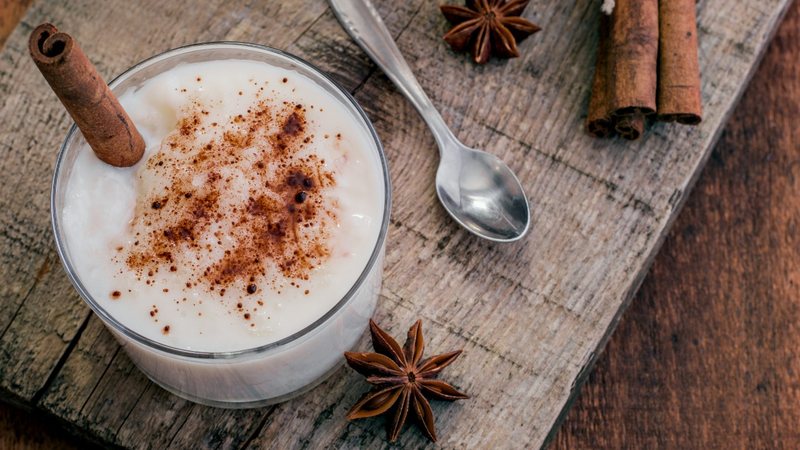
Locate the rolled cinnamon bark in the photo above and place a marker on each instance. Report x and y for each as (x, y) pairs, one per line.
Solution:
(679, 95)
(88, 99)
(631, 126)
(633, 57)
(599, 122)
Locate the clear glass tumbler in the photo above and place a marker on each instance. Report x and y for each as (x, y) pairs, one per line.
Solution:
(258, 376)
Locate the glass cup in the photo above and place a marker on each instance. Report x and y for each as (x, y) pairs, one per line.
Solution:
(270, 373)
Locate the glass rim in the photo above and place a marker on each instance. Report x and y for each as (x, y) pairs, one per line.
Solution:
(116, 325)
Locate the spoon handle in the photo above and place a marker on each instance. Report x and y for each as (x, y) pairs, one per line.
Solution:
(361, 21)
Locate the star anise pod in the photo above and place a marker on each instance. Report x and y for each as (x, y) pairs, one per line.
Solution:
(401, 380)
(488, 26)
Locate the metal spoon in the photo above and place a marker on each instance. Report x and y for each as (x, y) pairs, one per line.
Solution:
(477, 189)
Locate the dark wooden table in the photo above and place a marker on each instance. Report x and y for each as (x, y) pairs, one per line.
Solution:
(706, 356)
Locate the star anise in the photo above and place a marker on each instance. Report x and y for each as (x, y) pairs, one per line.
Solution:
(401, 380)
(488, 26)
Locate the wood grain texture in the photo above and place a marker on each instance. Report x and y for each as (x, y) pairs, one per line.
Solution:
(535, 312)
(706, 357)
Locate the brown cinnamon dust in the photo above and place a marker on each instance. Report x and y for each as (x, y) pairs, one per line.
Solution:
(201, 225)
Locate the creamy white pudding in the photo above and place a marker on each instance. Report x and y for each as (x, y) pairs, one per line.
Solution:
(255, 208)
(258, 206)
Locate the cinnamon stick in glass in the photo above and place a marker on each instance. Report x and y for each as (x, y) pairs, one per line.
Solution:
(633, 57)
(679, 97)
(88, 99)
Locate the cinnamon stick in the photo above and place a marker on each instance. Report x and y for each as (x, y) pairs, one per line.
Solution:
(633, 57)
(679, 95)
(631, 126)
(599, 122)
(88, 99)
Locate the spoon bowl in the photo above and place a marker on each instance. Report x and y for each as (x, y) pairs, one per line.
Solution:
(482, 194)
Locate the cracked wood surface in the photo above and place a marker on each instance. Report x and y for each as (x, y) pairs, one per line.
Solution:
(531, 316)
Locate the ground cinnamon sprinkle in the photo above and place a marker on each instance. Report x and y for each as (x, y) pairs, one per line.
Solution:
(199, 223)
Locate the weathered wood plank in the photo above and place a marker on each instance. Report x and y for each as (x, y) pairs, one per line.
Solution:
(530, 315)
(214, 428)
(115, 396)
(81, 373)
(33, 343)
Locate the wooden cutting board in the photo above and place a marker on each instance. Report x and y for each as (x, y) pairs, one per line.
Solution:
(531, 316)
